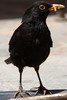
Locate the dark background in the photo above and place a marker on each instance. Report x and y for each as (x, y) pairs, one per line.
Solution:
(16, 8)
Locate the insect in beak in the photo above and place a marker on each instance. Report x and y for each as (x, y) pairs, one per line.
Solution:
(55, 7)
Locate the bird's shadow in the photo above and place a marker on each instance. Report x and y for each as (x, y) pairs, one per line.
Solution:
(10, 94)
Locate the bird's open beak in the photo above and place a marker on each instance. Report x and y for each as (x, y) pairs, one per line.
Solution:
(55, 7)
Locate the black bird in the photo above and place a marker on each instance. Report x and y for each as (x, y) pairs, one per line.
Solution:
(31, 41)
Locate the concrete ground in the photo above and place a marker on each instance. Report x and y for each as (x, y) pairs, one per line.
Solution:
(53, 71)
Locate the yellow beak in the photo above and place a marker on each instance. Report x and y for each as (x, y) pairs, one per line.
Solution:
(55, 7)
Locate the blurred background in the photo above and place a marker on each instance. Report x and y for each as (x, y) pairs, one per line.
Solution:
(53, 71)
(15, 8)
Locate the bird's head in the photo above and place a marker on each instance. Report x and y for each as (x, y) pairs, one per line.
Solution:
(41, 9)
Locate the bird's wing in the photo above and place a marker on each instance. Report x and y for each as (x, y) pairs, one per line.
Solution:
(27, 34)
(14, 39)
(22, 36)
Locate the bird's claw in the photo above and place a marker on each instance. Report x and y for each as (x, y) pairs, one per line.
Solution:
(20, 92)
(47, 92)
(28, 93)
(42, 90)
(34, 89)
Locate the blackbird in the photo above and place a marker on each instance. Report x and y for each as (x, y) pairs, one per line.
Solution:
(30, 44)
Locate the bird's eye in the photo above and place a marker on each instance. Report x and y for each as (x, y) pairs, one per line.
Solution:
(41, 7)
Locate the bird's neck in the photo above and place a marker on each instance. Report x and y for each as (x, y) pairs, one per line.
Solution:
(40, 17)
(37, 20)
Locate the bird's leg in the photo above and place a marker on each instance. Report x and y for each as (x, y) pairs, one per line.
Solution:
(20, 85)
(21, 91)
(41, 89)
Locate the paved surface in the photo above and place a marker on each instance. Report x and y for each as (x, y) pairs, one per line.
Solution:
(10, 94)
(53, 71)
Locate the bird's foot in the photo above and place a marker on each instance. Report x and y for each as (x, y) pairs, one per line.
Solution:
(21, 93)
(42, 90)
(34, 89)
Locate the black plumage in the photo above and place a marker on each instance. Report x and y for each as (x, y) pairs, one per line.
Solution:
(31, 41)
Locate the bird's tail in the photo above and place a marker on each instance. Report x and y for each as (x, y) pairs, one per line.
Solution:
(8, 60)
